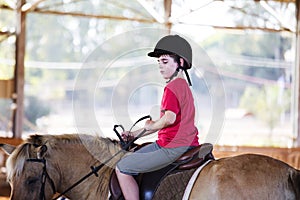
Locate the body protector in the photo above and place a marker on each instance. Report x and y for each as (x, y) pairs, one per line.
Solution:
(174, 44)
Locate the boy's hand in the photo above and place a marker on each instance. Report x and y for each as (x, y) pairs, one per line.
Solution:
(148, 125)
(127, 136)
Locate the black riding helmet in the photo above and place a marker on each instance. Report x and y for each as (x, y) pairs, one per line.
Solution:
(174, 44)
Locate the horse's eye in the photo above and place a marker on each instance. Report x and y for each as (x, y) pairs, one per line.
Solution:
(31, 181)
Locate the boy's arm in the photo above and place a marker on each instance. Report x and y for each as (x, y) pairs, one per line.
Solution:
(166, 120)
(153, 126)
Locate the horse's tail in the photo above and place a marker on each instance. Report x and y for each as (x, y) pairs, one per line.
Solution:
(294, 180)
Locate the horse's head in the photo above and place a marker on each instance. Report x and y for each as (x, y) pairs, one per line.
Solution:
(27, 172)
(46, 164)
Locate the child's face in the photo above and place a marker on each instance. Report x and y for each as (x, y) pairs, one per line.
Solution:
(167, 66)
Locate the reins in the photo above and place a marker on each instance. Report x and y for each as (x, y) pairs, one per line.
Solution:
(94, 170)
(122, 142)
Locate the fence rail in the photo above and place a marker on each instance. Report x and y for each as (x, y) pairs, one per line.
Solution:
(290, 156)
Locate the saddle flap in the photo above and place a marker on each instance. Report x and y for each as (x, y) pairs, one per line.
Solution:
(150, 181)
(114, 187)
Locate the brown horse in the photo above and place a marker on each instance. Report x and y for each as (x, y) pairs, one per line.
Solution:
(47, 164)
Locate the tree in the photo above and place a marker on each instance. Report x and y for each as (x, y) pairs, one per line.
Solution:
(267, 104)
(35, 108)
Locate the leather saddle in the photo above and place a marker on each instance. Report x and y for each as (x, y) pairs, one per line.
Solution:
(149, 182)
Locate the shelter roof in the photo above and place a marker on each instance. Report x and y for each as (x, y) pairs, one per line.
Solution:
(273, 15)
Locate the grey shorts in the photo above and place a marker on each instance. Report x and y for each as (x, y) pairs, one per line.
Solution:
(149, 158)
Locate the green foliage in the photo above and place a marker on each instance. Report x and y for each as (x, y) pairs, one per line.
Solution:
(5, 108)
(35, 108)
(267, 103)
(5, 114)
(7, 47)
(261, 45)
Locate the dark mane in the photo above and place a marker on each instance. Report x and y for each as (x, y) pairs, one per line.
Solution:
(39, 140)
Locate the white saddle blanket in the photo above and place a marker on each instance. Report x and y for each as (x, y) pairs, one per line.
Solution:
(190, 185)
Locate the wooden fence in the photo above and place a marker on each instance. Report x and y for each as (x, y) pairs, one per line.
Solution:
(290, 156)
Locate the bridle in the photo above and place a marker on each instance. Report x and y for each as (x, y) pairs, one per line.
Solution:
(94, 170)
(45, 177)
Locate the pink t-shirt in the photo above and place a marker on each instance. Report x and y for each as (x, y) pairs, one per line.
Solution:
(178, 98)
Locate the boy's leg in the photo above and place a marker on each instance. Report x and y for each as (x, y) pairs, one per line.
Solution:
(128, 186)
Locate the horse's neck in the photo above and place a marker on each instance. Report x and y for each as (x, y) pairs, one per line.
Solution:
(76, 165)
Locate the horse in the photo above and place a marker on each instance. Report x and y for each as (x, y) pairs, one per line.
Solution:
(45, 165)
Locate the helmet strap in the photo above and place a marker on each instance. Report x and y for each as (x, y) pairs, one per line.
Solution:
(187, 75)
(176, 73)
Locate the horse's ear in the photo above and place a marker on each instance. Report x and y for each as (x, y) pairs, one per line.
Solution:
(7, 148)
(41, 151)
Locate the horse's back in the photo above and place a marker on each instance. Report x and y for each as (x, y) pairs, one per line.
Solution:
(247, 176)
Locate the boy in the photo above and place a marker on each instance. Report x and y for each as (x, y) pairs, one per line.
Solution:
(176, 130)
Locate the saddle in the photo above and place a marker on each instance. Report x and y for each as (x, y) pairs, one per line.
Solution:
(149, 182)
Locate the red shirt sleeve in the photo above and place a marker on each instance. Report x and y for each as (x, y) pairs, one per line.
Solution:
(170, 102)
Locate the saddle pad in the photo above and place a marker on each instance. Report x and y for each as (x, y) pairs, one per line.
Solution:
(190, 185)
(172, 187)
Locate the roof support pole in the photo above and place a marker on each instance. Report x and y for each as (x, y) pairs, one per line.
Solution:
(296, 78)
(168, 11)
(18, 97)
